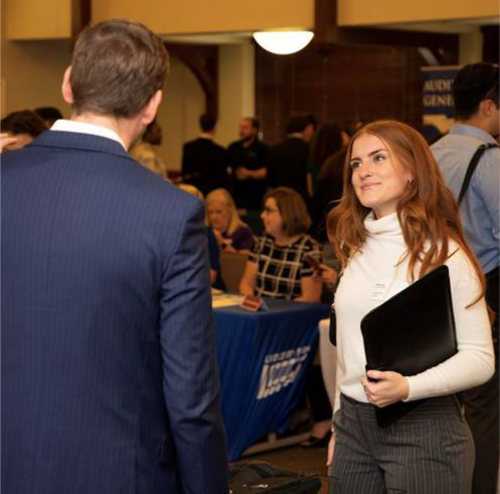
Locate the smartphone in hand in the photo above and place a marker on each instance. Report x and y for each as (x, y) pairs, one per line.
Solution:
(312, 262)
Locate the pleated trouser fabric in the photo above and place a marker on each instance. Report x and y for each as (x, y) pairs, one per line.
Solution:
(428, 451)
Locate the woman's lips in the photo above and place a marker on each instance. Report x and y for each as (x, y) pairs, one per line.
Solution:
(369, 186)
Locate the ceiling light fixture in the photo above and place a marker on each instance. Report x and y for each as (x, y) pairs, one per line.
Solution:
(283, 42)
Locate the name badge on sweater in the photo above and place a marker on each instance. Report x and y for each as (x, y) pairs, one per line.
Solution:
(379, 290)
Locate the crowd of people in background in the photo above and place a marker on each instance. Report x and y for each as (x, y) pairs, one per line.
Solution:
(271, 202)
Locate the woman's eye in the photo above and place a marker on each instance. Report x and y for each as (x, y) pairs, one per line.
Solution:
(355, 164)
(379, 157)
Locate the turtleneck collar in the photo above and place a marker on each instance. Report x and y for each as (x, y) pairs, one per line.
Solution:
(388, 225)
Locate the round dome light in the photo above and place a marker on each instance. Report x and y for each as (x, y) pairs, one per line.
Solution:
(283, 42)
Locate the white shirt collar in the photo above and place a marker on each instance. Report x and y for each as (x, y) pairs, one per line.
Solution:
(87, 128)
(206, 135)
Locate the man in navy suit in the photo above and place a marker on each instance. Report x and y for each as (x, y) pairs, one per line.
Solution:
(109, 376)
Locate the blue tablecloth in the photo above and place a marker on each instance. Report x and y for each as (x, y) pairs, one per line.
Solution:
(263, 358)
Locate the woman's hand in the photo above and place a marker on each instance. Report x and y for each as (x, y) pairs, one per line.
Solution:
(325, 274)
(390, 387)
(331, 448)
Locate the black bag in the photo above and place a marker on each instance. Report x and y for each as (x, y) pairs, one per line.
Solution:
(409, 333)
(262, 477)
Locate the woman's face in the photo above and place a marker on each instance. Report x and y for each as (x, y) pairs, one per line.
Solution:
(219, 216)
(378, 178)
(271, 217)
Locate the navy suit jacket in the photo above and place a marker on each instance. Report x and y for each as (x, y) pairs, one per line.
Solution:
(109, 375)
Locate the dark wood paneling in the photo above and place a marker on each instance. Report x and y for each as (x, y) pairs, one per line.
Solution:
(80, 15)
(327, 31)
(491, 46)
(340, 84)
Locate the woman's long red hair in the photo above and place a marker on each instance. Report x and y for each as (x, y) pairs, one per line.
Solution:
(427, 211)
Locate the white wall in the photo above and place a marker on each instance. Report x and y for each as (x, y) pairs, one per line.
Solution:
(236, 88)
(183, 103)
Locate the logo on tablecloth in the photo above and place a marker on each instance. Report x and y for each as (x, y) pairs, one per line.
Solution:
(280, 370)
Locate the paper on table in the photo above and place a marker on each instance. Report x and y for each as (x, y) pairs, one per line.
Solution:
(226, 300)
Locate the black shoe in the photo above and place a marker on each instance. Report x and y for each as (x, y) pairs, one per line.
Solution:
(317, 442)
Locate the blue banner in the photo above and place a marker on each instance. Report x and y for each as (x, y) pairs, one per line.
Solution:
(437, 99)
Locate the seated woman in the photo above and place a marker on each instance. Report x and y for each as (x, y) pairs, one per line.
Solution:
(144, 152)
(278, 265)
(231, 233)
(213, 250)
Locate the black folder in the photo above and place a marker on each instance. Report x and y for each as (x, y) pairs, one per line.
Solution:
(411, 332)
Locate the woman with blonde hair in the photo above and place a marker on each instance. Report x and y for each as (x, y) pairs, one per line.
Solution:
(231, 232)
(213, 249)
(396, 222)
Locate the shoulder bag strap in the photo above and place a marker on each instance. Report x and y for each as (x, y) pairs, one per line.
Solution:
(471, 168)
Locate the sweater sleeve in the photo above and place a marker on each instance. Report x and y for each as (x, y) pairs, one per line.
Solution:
(473, 364)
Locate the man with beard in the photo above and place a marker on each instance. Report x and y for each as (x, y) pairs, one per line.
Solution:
(248, 158)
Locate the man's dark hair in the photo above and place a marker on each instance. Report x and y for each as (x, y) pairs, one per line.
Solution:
(49, 113)
(117, 67)
(327, 141)
(474, 83)
(254, 122)
(312, 120)
(207, 122)
(23, 122)
(297, 123)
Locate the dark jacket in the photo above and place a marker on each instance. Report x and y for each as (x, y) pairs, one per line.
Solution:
(287, 165)
(109, 378)
(205, 164)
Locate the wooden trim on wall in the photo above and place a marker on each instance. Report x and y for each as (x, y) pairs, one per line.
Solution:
(203, 61)
(328, 32)
(81, 15)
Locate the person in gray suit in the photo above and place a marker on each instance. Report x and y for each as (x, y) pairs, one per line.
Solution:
(109, 376)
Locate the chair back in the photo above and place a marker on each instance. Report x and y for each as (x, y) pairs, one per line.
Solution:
(232, 268)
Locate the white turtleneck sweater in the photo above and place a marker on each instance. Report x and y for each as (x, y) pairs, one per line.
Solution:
(371, 278)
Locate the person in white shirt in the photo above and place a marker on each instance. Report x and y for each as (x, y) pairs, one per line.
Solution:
(396, 222)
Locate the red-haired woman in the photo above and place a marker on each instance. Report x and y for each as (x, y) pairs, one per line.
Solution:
(397, 221)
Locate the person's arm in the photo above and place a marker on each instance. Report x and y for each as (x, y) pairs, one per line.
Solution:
(243, 240)
(336, 409)
(311, 290)
(242, 173)
(259, 174)
(310, 190)
(247, 282)
(472, 365)
(185, 163)
(309, 284)
(190, 377)
(488, 177)
(474, 362)
(213, 276)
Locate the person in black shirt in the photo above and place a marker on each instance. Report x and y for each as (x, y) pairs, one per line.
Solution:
(248, 159)
(288, 161)
(205, 163)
